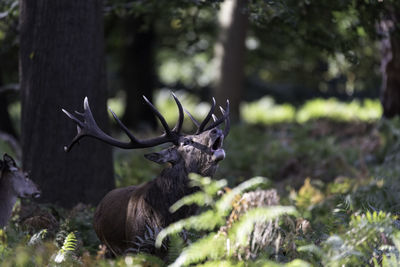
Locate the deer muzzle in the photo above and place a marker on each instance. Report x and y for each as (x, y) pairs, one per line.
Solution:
(218, 153)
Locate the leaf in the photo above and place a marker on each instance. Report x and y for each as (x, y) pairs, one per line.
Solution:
(225, 203)
(199, 198)
(207, 220)
(209, 247)
(243, 228)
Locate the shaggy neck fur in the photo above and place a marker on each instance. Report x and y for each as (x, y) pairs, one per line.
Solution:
(171, 185)
(7, 200)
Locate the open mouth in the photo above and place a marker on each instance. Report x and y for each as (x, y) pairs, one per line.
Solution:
(217, 144)
(218, 153)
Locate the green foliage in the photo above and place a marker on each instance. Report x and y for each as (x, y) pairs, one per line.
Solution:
(368, 239)
(340, 177)
(237, 236)
(335, 110)
(265, 111)
(69, 249)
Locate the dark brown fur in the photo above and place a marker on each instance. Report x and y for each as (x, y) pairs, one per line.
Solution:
(125, 213)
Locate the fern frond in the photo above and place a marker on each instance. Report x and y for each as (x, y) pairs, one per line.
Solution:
(69, 248)
(259, 263)
(206, 184)
(70, 242)
(224, 205)
(209, 189)
(199, 198)
(223, 263)
(242, 229)
(207, 220)
(211, 247)
(175, 246)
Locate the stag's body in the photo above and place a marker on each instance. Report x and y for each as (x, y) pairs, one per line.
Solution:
(14, 184)
(125, 214)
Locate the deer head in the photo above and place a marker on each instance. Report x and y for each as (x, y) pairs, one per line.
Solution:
(199, 152)
(17, 181)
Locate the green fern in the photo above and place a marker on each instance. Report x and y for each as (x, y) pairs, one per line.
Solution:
(68, 250)
(212, 218)
(370, 238)
(175, 246)
(223, 244)
(242, 229)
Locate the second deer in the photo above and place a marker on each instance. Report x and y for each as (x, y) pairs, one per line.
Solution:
(14, 183)
(125, 214)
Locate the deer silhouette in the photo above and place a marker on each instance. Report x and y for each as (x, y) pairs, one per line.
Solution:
(125, 214)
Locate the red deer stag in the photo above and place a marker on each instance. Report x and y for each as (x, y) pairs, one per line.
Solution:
(14, 183)
(125, 214)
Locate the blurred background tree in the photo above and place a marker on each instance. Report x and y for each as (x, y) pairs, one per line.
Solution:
(9, 63)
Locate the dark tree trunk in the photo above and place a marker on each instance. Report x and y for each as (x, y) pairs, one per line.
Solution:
(61, 62)
(391, 76)
(5, 120)
(390, 61)
(138, 72)
(230, 53)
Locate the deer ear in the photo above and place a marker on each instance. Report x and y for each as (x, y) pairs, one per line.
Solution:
(9, 162)
(164, 156)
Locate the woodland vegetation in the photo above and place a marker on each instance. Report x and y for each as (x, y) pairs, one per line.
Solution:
(311, 174)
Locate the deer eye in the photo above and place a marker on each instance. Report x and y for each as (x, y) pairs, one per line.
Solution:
(187, 142)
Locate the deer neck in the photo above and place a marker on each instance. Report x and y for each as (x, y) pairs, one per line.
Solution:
(174, 179)
(7, 201)
(172, 185)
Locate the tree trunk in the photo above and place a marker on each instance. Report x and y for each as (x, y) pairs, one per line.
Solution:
(138, 73)
(61, 62)
(230, 53)
(391, 77)
(5, 120)
(390, 62)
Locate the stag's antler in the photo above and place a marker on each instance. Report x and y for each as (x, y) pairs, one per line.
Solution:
(89, 127)
(217, 122)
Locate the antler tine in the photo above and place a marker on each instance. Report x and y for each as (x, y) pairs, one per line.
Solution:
(78, 126)
(81, 126)
(192, 118)
(205, 121)
(179, 123)
(160, 117)
(225, 118)
(123, 127)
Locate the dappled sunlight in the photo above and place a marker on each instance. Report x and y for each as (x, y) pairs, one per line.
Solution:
(266, 111)
(290, 107)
